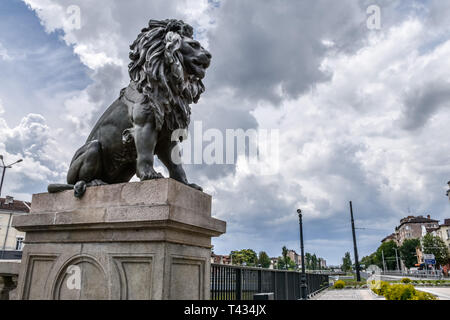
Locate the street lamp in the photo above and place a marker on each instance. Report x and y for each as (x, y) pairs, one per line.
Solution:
(303, 286)
(4, 170)
(448, 191)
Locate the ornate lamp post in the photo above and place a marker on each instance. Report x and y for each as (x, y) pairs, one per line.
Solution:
(303, 286)
(4, 170)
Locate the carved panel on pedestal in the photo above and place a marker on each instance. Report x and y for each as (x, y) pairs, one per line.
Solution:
(135, 277)
(82, 278)
(37, 274)
(187, 279)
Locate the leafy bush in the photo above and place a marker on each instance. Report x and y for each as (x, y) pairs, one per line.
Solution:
(381, 288)
(406, 280)
(339, 284)
(400, 292)
(420, 295)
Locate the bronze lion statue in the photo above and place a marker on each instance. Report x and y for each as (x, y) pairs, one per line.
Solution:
(166, 70)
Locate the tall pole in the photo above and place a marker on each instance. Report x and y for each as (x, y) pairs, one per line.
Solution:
(396, 259)
(384, 263)
(3, 177)
(358, 275)
(303, 286)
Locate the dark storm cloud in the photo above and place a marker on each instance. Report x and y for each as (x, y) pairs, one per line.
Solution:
(423, 102)
(260, 47)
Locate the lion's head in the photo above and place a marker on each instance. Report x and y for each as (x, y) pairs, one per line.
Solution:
(168, 66)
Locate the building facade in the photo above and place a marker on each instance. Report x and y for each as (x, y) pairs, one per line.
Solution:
(413, 227)
(221, 259)
(295, 257)
(11, 240)
(444, 232)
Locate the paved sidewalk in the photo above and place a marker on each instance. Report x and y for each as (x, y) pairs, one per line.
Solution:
(347, 294)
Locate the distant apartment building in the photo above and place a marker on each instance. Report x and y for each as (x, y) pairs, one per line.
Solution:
(444, 232)
(273, 263)
(295, 257)
(221, 259)
(413, 227)
(11, 240)
(322, 263)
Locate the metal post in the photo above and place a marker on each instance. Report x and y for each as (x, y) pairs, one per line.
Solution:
(396, 259)
(358, 275)
(286, 285)
(260, 281)
(3, 177)
(303, 286)
(238, 284)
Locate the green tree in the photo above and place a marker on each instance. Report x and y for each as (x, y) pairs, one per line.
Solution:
(435, 245)
(285, 262)
(314, 262)
(347, 262)
(408, 252)
(388, 250)
(263, 259)
(308, 258)
(247, 256)
(284, 252)
(369, 260)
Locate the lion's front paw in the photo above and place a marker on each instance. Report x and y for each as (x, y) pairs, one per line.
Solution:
(152, 175)
(79, 189)
(196, 187)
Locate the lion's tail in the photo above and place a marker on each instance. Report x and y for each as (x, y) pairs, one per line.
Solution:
(54, 188)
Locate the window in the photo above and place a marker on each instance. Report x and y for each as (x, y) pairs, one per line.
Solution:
(19, 243)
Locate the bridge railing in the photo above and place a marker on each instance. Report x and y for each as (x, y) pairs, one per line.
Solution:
(242, 283)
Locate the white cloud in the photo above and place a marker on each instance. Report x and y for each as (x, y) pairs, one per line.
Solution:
(4, 53)
(362, 115)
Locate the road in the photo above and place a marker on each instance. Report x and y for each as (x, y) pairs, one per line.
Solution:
(441, 293)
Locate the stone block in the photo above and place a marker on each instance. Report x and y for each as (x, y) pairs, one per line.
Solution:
(145, 240)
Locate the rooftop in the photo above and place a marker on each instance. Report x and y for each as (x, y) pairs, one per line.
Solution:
(418, 219)
(14, 205)
(391, 236)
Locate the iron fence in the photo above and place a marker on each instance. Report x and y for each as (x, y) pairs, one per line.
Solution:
(241, 283)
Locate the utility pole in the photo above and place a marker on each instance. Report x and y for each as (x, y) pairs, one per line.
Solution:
(3, 177)
(384, 264)
(358, 275)
(303, 286)
(396, 259)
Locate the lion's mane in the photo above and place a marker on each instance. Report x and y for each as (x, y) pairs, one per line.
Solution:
(157, 69)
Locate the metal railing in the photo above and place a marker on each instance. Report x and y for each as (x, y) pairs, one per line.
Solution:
(241, 283)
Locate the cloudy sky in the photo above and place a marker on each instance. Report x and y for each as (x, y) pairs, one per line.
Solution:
(362, 113)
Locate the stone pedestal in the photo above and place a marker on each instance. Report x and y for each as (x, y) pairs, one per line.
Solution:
(146, 240)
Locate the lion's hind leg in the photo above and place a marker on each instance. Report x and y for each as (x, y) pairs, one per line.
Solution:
(86, 168)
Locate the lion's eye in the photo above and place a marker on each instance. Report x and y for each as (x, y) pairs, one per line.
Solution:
(195, 45)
